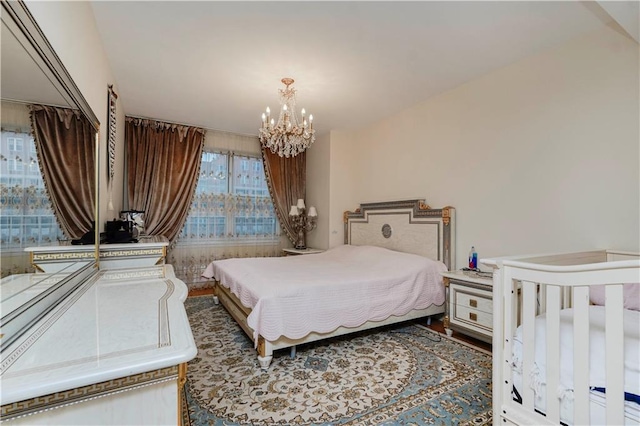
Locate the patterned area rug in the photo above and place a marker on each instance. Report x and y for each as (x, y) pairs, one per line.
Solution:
(405, 374)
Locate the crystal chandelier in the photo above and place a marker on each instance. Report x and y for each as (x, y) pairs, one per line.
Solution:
(288, 137)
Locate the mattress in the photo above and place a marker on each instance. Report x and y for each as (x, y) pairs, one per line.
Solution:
(631, 320)
(344, 286)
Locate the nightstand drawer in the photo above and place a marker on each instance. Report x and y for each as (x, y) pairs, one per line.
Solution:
(473, 317)
(475, 301)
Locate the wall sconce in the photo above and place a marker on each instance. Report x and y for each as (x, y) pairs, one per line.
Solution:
(302, 222)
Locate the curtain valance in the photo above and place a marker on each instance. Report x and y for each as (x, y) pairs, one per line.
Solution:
(164, 126)
(216, 140)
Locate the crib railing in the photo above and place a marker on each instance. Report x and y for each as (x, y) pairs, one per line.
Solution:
(523, 290)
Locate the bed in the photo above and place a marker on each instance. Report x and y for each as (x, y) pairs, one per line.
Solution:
(388, 271)
(566, 342)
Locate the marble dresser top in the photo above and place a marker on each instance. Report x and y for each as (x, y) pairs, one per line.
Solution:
(119, 323)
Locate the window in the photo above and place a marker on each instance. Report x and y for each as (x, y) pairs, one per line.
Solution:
(27, 217)
(14, 165)
(231, 203)
(15, 145)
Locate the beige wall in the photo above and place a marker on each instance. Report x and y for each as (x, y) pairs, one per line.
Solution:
(71, 29)
(344, 182)
(329, 187)
(318, 190)
(539, 156)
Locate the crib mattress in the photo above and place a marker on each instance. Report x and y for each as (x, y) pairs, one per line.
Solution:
(597, 378)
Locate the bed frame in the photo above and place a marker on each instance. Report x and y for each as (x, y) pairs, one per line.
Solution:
(527, 286)
(409, 226)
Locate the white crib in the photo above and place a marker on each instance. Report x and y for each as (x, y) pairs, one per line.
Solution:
(540, 304)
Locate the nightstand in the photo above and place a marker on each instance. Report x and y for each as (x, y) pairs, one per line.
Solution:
(469, 306)
(296, 252)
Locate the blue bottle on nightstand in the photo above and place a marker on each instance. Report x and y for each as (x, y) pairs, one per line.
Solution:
(473, 258)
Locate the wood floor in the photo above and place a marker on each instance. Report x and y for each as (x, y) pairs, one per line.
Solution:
(200, 292)
(435, 325)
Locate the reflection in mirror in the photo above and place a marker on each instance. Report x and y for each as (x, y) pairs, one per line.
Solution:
(20, 288)
(39, 156)
(28, 297)
(33, 208)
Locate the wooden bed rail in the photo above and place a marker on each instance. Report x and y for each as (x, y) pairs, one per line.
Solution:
(524, 290)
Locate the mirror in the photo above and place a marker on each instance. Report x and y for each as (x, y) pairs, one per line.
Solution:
(33, 74)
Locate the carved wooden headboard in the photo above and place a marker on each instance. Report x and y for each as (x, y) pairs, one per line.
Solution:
(408, 226)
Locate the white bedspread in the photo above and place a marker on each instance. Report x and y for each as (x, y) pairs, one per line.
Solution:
(344, 286)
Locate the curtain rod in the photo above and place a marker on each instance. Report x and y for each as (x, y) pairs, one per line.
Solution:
(189, 125)
(224, 151)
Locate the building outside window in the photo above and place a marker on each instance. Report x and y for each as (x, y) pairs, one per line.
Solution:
(15, 145)
(27, 217)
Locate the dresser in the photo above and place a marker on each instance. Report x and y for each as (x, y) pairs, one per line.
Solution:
(148, 251)
(112, 352)
(469, 306)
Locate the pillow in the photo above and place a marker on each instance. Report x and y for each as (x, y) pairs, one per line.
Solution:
(631, 295)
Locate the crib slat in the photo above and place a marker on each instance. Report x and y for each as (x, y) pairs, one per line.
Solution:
(553, 352)
(529, 303)
(502, 383)
(506, 383)
(566, 298)
(542, 299)
(614, 356)
(581, 415)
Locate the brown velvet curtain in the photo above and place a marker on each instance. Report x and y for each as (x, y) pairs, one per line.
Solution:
(163, 168)
(65, 146)
(286, 178)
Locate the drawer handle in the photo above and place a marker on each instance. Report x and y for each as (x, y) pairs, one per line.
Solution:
(473, 316)
(473, 303)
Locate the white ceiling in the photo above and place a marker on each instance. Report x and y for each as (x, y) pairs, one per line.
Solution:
(219, 64)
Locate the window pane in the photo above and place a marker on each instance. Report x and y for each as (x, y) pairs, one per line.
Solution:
(214, 174)
(249, 176)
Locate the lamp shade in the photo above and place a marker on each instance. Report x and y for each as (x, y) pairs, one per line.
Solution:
(293, 211)
(312, 212)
